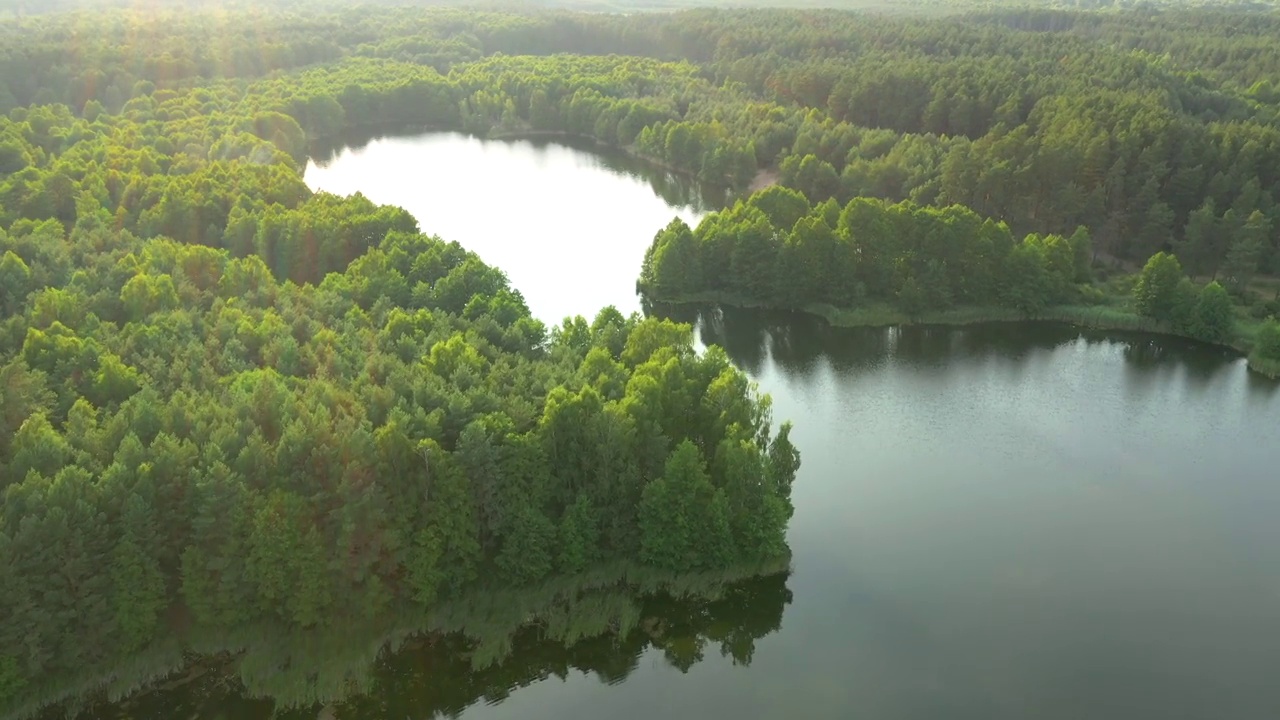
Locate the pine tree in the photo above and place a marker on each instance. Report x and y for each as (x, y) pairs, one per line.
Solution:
(1245, 253)
(16, 601)
(215, 582)
(528, 550)
(716, 547)
(674, 512)
(579, 537)
(139, 597)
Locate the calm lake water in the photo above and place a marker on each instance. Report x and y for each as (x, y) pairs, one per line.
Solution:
(1014, 521)
(568, 225)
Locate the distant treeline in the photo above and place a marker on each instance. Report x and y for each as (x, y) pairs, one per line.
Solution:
(1157, 131)
(774, 249)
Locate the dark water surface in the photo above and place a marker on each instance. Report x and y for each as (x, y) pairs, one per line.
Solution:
(1012, 521)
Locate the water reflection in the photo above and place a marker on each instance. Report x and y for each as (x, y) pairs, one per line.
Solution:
(482, 650)
(800, 344)
(676, 189)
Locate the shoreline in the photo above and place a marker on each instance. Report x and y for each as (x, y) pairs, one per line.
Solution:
(1090, 317)
(483, 613)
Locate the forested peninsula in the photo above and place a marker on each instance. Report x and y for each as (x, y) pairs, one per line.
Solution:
(234, 407)
(229, 403)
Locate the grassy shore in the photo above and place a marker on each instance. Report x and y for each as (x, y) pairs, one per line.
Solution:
(1115, 314)
(1270, 368)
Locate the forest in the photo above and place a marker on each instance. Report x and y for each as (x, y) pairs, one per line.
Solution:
(226, 401)
(875, 262)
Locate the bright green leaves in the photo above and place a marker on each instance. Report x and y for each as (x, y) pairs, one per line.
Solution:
(1165, 295)
(23, 393)
(38, 447)
(651, 336)
(1214, 316)
(15, 282)
(13, 157)
(1155, 295)
(114, 382)
(672, 265)
(452, 356)
(568, 428)
(607, 376)
(471, 278)
(80, 366)
(757, 497)
(1267, 342)
(683, 520)
(783, 206)
(279, 129)
(1026, 279)
(814, 177)
(753, 254)
(230, 401)
(775, 248)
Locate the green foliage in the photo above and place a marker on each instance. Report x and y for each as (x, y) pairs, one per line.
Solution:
(781, 205)
(675, 518)
(1267, 341)
(1081, 254)
(15, 282)
(1214, 316)
(783, 463)
(671, 264)
(1156, 293)
(139, 594)
(425, 576)
(317, 402)
(11, 678)
(528, 551)
(579, 536)
(1245, 254)
(919, 258)
(38, 448)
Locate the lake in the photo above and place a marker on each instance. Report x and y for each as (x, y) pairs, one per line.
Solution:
(1002, 521)
(538, 210)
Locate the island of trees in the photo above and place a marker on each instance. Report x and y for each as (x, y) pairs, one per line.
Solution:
(228, 402)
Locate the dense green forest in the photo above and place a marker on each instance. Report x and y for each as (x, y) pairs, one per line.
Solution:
(227, 401)
(875, 262)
